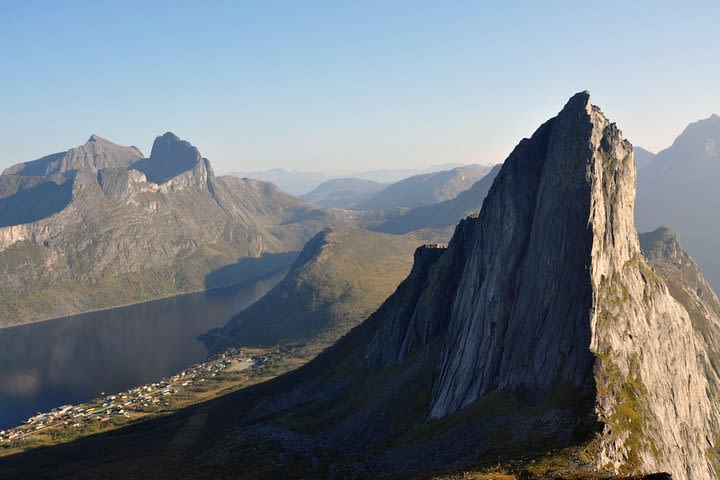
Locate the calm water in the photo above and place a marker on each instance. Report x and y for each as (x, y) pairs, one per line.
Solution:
(73, 359)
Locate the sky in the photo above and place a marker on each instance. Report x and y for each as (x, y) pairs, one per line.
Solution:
(341, 86)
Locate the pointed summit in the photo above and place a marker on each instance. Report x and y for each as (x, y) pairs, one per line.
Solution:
(95, 154)
(170, 157)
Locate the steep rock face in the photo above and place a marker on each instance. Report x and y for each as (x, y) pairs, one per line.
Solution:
(172, 158)
(689, 287)
(555, 292)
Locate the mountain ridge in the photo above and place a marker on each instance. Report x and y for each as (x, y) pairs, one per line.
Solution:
(100, 233)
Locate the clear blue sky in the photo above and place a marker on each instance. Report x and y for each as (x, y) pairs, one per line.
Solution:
(343, 85)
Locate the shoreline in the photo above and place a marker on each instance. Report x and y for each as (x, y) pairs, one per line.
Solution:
(223, 373)
(257, 278)
(138, 402)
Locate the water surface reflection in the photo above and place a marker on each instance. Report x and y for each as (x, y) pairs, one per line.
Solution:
(74, 359)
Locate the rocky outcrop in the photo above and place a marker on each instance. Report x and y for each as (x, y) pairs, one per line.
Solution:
(555, 292)
(688, 286)
(176, 160)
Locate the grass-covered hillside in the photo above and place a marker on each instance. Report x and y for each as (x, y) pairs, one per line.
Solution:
(341, 276)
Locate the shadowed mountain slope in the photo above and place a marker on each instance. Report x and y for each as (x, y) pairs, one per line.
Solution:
(679, 189)
(445, 213)
(426, 189)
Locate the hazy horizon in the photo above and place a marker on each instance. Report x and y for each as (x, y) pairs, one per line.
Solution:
(344, 88)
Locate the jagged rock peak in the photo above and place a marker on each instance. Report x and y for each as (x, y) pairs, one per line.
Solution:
(170, 144)
(535, 233)
(171, 157)
(547, 287)
(96, 138)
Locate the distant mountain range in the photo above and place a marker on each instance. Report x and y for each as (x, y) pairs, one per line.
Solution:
(426, 189)
(442, 214)
(414, 191)
(678, 187)
(643, 158)
(100, 225)
(300, 183)
(293, 182)
(344, 192)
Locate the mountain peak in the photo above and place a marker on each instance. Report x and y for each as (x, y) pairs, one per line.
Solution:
(170, 156)
(549, 288)
(169, 136)
(579, 100)
(661, 243)
(97, 139)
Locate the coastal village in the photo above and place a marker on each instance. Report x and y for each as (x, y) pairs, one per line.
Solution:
(70, 421)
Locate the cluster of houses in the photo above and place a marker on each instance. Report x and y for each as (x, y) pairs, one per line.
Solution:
(139, 400)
